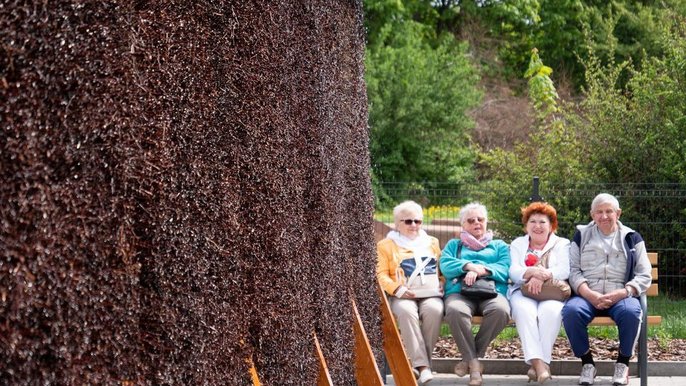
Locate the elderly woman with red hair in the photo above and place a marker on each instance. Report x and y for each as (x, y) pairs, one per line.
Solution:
(538, 322)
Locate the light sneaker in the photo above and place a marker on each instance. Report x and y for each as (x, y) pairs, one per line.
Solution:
(621, 376)
(588, 373)
(425, 376)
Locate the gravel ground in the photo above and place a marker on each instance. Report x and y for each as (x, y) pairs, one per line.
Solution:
(671, 350)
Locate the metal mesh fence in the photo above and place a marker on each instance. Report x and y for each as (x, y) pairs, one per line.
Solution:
(657, 211)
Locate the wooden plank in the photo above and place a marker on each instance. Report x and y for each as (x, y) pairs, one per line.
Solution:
(652, 256)
(479, 320)
(653, 273)
(324, 378)
(597, 321)
(393, 346)
(607, 321)
(366, 370)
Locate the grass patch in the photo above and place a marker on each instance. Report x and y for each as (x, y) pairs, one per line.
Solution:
(508, 333)
(673, 313)
(430, 213)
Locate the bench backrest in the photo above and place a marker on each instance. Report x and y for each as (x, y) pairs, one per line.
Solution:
(653, 290)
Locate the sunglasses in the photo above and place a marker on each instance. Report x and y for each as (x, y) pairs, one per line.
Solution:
(475, 219)
(409, 222)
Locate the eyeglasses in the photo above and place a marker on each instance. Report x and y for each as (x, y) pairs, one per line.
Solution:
(475, 219)
(409, 222)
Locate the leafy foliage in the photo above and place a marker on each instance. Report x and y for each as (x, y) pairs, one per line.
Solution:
(541, 88)
(419, 91)
(552, 152)
(643, 122)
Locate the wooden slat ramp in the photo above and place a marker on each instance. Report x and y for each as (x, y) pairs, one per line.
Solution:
(253, 372)
(393, 346)
(324, 378)
(366, 370)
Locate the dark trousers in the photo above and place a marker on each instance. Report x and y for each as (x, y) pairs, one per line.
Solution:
(578, 312)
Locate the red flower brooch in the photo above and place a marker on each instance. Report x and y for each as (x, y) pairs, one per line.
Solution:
(531, 260)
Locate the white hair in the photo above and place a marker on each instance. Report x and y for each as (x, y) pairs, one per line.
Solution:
(470, 207)
(604, 198)
(407, 207)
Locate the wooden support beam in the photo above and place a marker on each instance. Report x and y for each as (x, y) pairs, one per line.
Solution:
(324, 378)
(366, 371)
(253, 372)
(393, 346)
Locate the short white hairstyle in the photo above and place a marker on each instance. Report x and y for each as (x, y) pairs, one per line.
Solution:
(604, 198)
(407, 207)
(477, 206)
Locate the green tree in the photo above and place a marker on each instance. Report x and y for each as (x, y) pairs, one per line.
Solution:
(639, 122)
(419, 93)
(553, 153)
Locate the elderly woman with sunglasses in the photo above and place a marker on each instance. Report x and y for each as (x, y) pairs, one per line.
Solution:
(472, 256)
(407, 269)
(538, 256)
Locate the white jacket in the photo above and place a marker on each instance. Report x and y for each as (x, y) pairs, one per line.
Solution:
(558, 260)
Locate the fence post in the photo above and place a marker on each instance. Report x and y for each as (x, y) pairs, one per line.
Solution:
(534, 192)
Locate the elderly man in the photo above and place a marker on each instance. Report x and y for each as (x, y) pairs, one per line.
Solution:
(609, 268)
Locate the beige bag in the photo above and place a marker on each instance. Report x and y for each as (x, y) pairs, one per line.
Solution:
(423, 284)
(552, 289)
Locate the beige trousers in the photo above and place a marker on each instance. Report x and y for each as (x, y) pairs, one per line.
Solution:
(458, 313)
(419, 321)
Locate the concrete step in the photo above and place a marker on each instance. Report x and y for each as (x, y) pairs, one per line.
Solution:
(563, 367)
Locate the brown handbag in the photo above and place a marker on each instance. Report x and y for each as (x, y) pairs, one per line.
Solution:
(552, 289)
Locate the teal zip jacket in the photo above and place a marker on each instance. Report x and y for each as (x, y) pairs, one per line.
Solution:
(495, 257)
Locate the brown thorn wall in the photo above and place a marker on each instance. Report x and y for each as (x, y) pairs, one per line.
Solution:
(183, 185)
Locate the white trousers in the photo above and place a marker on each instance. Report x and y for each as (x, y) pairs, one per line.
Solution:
(538, 324)
(419, 321)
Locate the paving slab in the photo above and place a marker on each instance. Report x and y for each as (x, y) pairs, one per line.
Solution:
(521, 380)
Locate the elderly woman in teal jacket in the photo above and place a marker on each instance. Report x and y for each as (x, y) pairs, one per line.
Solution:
(475, 255)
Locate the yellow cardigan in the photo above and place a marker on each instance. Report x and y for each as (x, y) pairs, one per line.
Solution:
(388, 258)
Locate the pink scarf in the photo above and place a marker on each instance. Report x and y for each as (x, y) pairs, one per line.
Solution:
(474, 244)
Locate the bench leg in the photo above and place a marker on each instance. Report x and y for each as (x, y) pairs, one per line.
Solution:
(643, 343)
(384, 375)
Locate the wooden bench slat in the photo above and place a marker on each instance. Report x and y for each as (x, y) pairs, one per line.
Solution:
(652, 290)
(652, 256)
(597, 321)
(607, 321)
